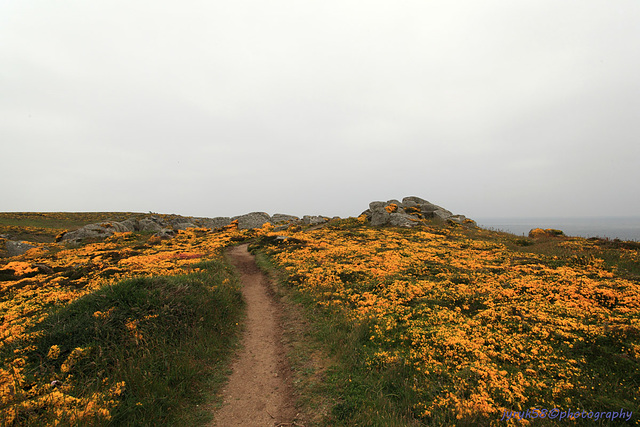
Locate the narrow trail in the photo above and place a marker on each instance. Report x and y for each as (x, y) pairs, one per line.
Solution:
(259, 392)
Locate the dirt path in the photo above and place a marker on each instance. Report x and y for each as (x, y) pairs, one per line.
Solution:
(259, 389)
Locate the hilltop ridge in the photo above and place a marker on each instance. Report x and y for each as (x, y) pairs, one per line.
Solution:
(412, 211)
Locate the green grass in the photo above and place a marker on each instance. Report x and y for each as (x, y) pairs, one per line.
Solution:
(187, 328)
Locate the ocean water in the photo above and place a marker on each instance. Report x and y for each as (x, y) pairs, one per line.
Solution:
(624, 228)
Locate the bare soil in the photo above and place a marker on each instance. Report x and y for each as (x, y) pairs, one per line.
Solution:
(259, 392)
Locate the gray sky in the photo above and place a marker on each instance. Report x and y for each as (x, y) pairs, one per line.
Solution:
(216, 108)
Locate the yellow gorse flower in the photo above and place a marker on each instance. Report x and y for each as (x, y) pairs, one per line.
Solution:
(54, 352)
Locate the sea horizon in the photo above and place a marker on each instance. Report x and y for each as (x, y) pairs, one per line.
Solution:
(611, 227)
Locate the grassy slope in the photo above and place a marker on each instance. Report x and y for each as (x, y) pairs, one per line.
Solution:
(166, 338)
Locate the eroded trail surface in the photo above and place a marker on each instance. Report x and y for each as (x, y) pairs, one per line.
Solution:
(259, 389)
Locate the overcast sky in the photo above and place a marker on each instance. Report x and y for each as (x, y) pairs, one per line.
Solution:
(218, 108)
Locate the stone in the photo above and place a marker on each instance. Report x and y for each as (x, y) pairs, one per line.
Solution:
(314, 219)
(92, 231)
(121, 227)
(400, 219)
(252, 220)
(183, 225)
(379, 215)
(278, 218)
(14, 248)
(442, 214)
(394, 202)
(149, 224)
(376, 206)
(428, 209)
(166, 233)
(409, 213)
(132, 224)
(458, 219)
(414, 201)
(215, 223)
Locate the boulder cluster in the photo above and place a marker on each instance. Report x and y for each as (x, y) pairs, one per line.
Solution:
(411, 212)
(168, 226)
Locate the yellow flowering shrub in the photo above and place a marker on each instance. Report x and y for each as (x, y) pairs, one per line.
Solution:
(53, 275)
(484, 329)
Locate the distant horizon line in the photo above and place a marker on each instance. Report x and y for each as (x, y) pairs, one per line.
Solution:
(560, 217)
(492, 217)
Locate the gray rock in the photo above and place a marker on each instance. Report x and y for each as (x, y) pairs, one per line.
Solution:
(314, 219)
(442, 214)
(121, 227)
(399, 219)
(428, 209)
(166, 233)
(278, 218)
(14, 248)
(410, 213)
(414, 201)
(215, 223)
(252, 220)
(150, 224)
(93, 231)
(132, 224)
(458, 219)
(376, 205)
(379, 215)
(183, 225)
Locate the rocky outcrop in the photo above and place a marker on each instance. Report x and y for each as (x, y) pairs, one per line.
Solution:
(410, 212)
(167, 226)
(166, 233)
(215, 223)
(282, 218)
(184, 225)
(314, 219)
(96, 231)
(149, 224)
(252, 220)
